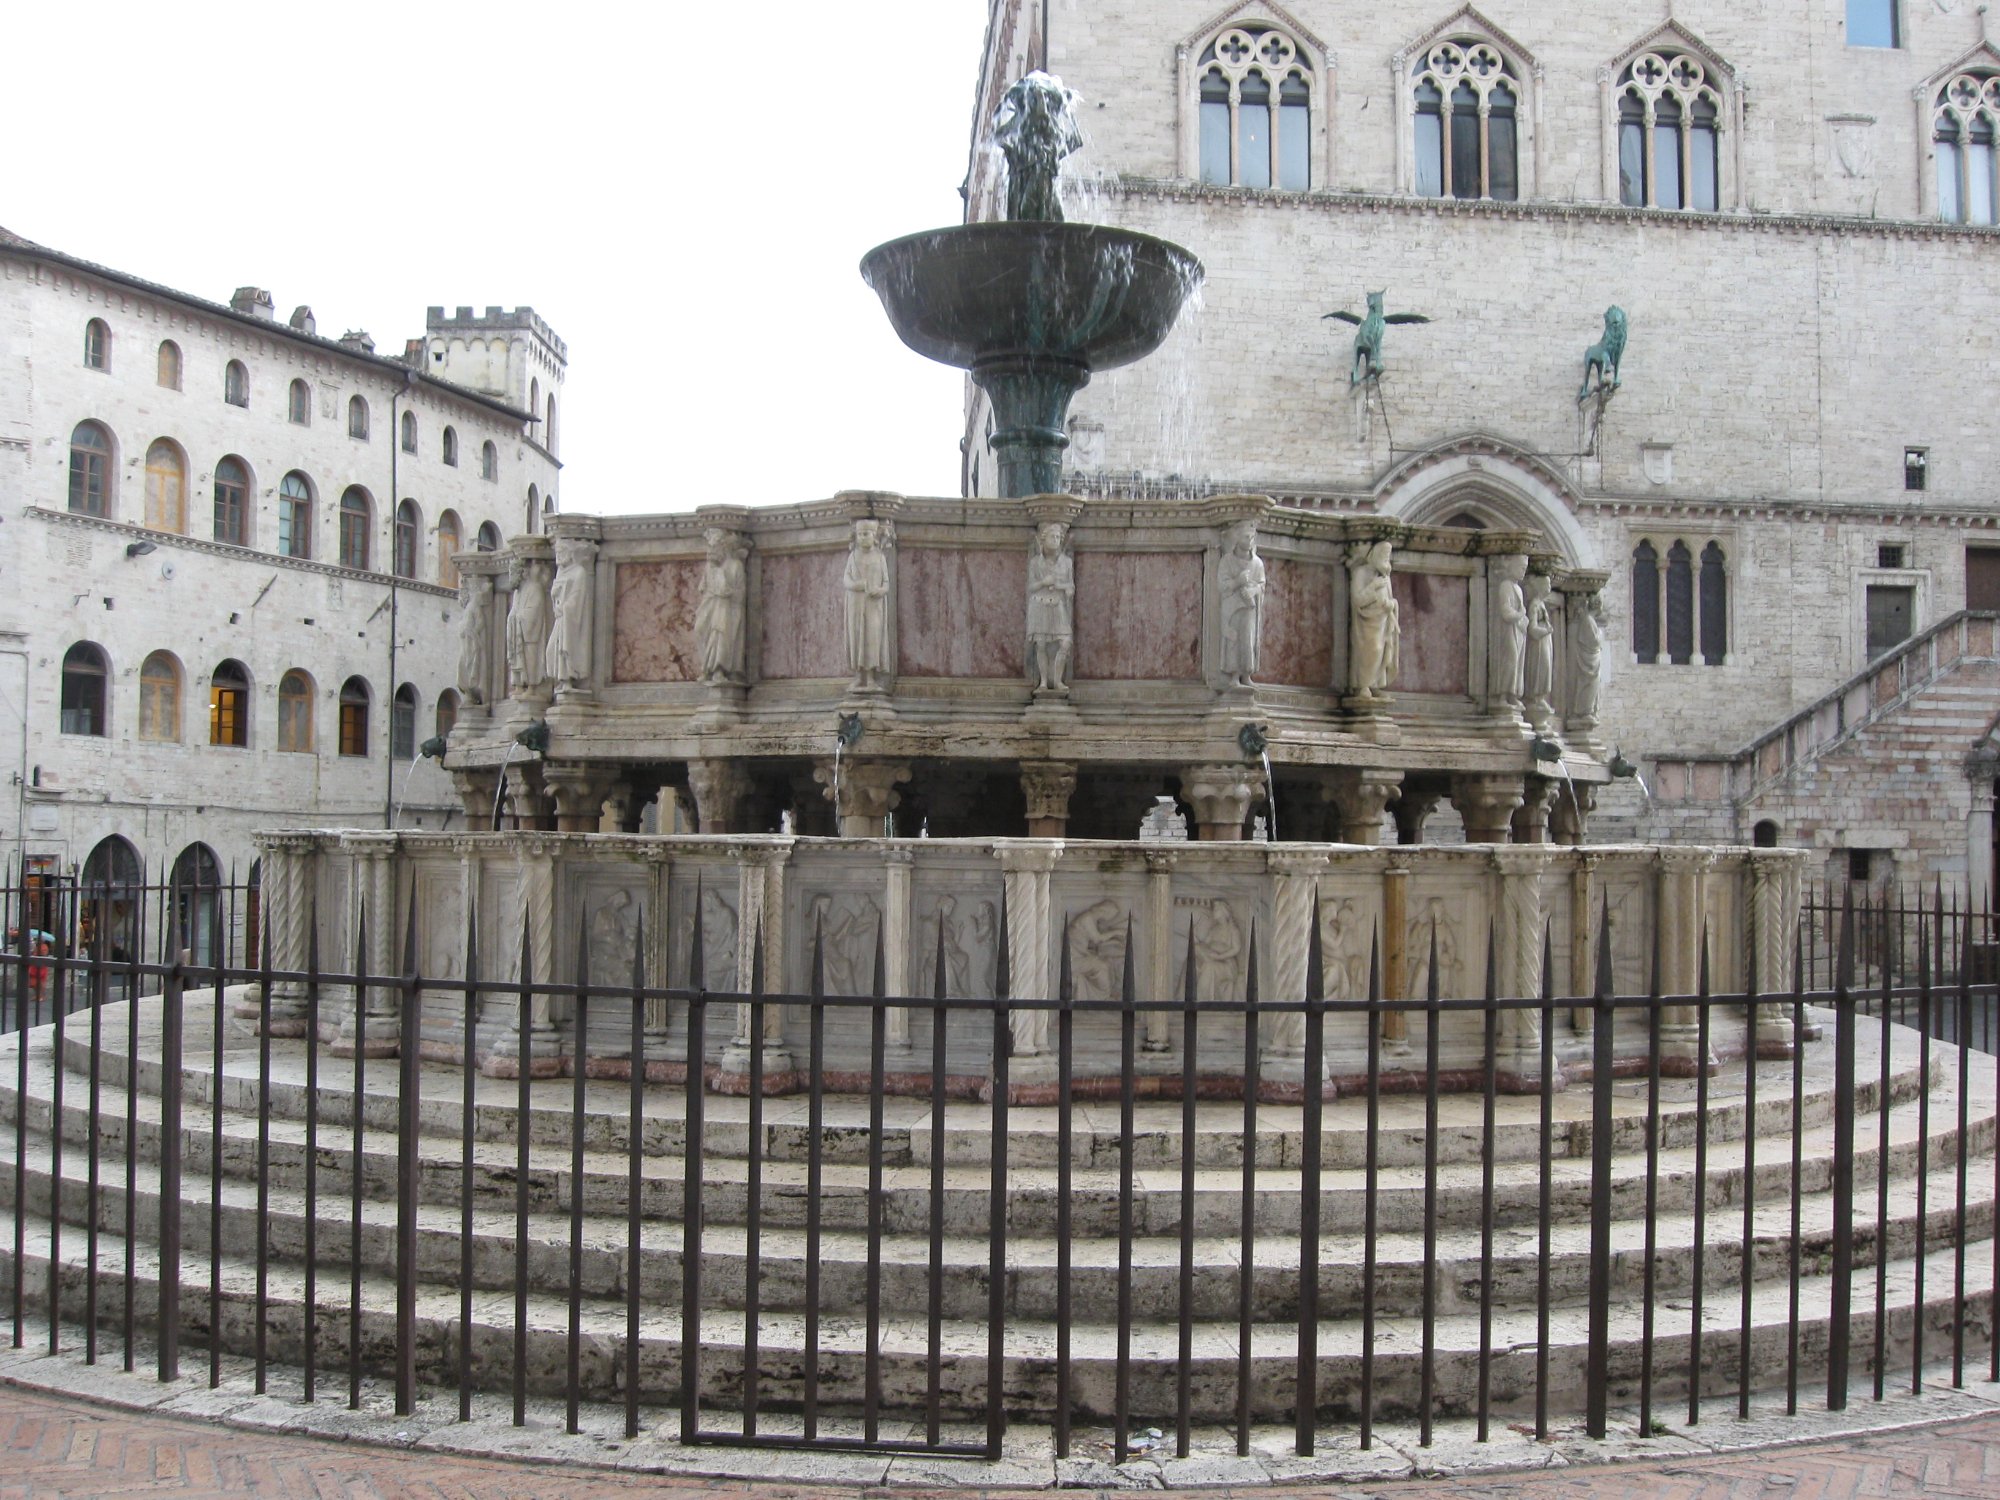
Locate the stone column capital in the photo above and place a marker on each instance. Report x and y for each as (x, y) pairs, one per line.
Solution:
(1162, 861)
(866, 785)
(1026, 857)
(1684, 860)
(1522, 859)
(1293, 863)
(1048, 785)
(1220, 792)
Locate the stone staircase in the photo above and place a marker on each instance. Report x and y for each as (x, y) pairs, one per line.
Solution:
(1922, 1197)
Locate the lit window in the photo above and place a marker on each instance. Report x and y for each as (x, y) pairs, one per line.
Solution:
(354, 717)
(403, 724)
(447, 712)
(84, 674)
(229, 705)
(295, 516)
(232, 502)
(96, 345)
(160, 698)
(236, 384)
(295, 712)
(1467, 103)
(489, 460)
(449, 444)
(1963, 131)
(166, 487)
(356, 517)
(298, 404)
(450, 541)
(1873, 23)
(409, 539)
(1669, 131)
(90, 470)
(357, 418)
(169, 373)
(1690, 601)
(409, 432)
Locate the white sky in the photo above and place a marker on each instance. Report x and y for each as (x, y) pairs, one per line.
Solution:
(683, 193)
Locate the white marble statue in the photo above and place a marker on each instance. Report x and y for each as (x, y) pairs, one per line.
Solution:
(866, 580)
(1586, 660)
(720, 611)
(1508, 640)
(1051, 597)
(1538, 670)
(1375, 632)
(475, 635)
(1242, 575)
(528, 627)
(569, 631)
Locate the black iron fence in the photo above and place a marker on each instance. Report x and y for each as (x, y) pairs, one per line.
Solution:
(691, 1223)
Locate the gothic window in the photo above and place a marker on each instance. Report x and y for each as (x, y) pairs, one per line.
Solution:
(1714, 606)
(357, 418)
(1963, 128)
(84, 675)
(549, 436)
(451, 540)
(354, 717)
(1467, 122)
(236, 384)
(166, 487)
(232, 502)
(96, 345)
(409, 538)
(1646, 603)
(1682, 605)
(409, 432)
(295, 508)
(1256, 97)
(1669, 133)
(356, 517)
(160, 697)
(534, 507)
(450, 446)
(90, 470)
(1873, 23)
(229, 705)
(168, 373)
(403, 724)
(295, 711)
(298, 404)
(489, 461)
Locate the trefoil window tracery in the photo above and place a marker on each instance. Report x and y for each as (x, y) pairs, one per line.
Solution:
(1256, 110)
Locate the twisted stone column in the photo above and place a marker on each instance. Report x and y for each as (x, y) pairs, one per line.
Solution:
(1774, 919)
(372, 1025)
(1162, 962)
(896, 945)
(1519, 927)
(1294, 906)
(1025, 870)
(1680, 937)
(760, 904)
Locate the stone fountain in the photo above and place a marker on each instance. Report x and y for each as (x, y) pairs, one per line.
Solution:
(1031, 305)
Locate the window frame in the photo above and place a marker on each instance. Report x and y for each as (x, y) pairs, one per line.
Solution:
(1894, 16)
(166, 357)
(295, 712)
(357, 417)
(160, 514)
(1455, 62)
(489, 461)
(295, 507)
(450, 542)
(448, 445)
(97, 465)
(407, 434)
(356, 698)
(298, 403)
(229, 705)
(160, 698)
(1689, 579)
(77, 670)
(406, 542)
(1968, 102)
(357, 523)
(403, 710)
(236, 384)
(97, 346)
(237, 535)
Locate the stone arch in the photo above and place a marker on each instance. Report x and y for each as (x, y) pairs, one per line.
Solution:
(1503, 486)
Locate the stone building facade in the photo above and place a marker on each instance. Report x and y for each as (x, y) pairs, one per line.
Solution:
(230, 576)
(1791, 477)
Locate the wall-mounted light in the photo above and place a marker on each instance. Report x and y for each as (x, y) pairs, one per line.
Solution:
(141, 549)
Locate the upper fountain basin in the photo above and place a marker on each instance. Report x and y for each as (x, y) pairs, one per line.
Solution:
(1086, 293)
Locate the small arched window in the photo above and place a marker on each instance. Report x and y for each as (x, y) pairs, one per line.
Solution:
(97, 345)
(298, 404)
(451, 541)
(489, 460)
(295, 712)
(90, 470)
(169, 371)
(1764, 835)
(403, 724)
(166, 487)
(1680, 604)
(295, 516)
(535, 399)
(229, 705)
(1467, 122)
(1646, 603)
(1964, 129)
(354, 716)
(236, 383)
(549, 436)
(1714, 606)
(160, 698)
(1256, 94)
(409, 432)
(232, 502)
(357, 417)
(489, 537)
(534, 508)
(447, 712)
(1669, 134)
(195, 901)
(356, 519)
(409, 539)
(448, 444)
(85, 673)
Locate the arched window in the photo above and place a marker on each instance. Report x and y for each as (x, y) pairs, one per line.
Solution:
(449, 445)
(357, 417)
(489, 460)
(489, 537)
(403, 724)
(160, 697)
(166, 487)
(356, 519)
(535, 399)
(409, 432)
(112, 864)
(85, 673)
(1714, 606)
(229, 705)
(195, 900)
(97, 345)
(232, 502)
(409, 539)
(1764, 835)
(1646, 603)
(295, 516)
(354, 717)
(447, 712)
(295, 712)
(1467, 122)
(549, 436)
(90, 470)
(1256, 95)
(236, 383)
(1680, 604)
(1669, 134)
(111, 880)
(169, 372)
(451, 540)
(1691, 602)
(298, 404)
(1964, 129)
(534, 508)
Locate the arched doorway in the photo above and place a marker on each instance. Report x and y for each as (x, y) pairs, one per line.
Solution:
(110, 890)
(194, 905)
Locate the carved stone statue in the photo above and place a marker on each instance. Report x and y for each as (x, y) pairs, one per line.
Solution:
(1051, 597)
(1035, 129)
(569, 652)
(1242, 576)
(1538, 672)
(1375, 632)
(528, 627)
(1368, 336)
(1601, 359)
(1508, 639)
(1586, 658)
(475, 635)
(719, 613)
(866, 580)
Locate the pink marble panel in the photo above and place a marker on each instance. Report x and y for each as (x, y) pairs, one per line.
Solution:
(1435, 613)
(1298, 624)
(803, 627)
(1138, 616)
(961, 612)
(652, 622)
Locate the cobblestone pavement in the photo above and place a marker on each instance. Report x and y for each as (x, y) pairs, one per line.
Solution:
(56, 1447)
